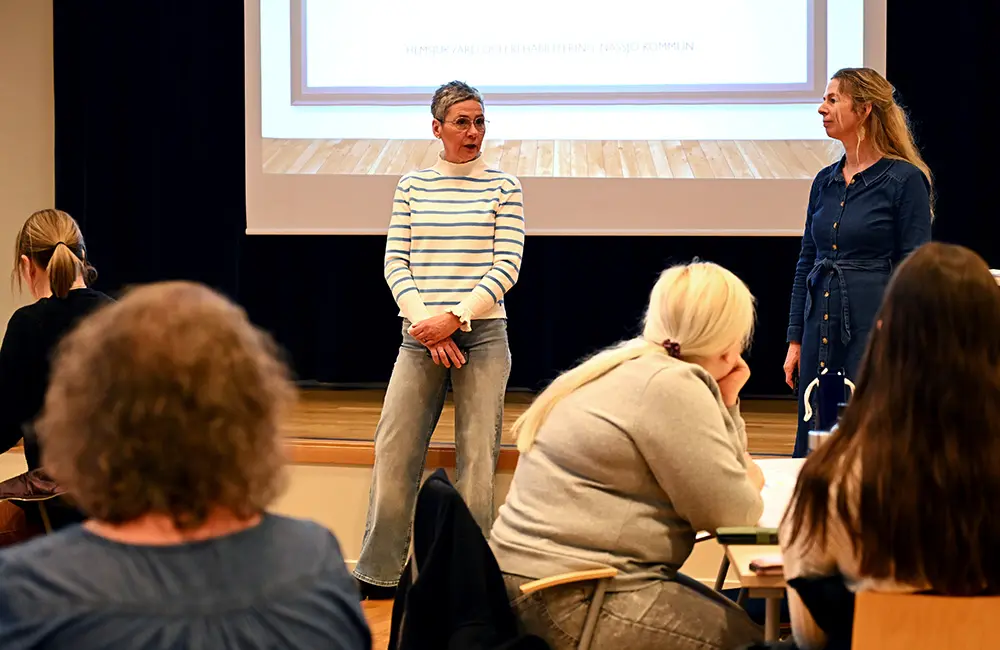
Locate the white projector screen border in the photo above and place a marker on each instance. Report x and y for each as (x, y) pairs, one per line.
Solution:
(815, 62)
(355, 204)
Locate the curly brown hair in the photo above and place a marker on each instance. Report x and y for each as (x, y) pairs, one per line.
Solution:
(167, 402)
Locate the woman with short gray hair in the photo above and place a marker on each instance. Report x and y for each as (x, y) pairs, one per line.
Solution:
(456, 236)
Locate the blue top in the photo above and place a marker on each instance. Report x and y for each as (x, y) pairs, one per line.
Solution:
(869, 225)
(281, 584)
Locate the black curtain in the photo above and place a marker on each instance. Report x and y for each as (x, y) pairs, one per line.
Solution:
(149, 144)
(150, 159)
(936, 58)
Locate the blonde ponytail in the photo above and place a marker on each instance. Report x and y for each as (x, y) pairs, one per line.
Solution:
(52, 241)
(701, 307)
(63, 269)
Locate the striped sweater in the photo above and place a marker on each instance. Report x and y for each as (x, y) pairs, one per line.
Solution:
(455, 241)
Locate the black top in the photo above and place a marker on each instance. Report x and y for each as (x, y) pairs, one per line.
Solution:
(32, 335)
(458, 599)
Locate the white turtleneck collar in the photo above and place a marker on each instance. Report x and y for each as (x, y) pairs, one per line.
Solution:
(460, 169)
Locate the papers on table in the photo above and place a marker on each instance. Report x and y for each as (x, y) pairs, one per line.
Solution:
(780, 475)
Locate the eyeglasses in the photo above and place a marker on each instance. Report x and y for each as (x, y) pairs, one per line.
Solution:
(463, 123)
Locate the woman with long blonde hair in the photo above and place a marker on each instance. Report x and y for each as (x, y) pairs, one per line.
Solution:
(866, 213)
(623, 459)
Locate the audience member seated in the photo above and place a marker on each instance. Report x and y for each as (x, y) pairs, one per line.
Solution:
(162, 420)
(627, 456)
(51, 258)
(903, 496)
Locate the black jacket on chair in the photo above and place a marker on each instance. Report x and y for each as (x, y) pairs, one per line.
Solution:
(451, 595)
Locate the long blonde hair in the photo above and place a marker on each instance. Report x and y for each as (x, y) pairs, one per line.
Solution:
(887, 127)
(52, 240)
(700, 306)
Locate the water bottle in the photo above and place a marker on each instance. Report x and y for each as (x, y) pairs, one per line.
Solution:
(817, 438)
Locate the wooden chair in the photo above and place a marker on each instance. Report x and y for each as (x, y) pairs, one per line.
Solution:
(720, 577)
(603, 577)
(913, 622)
(34, 486)
(43, 512)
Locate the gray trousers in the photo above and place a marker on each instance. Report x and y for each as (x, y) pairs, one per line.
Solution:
(677, 614)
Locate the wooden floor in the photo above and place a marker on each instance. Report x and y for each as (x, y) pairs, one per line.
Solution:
(785, 159)
(379, 616)
(353, 415)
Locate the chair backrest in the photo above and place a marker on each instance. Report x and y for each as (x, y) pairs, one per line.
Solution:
(451, 594)
(905, 622)
(33, 485)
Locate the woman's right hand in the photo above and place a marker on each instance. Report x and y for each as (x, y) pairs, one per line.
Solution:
(793, 362)
(731, 385)
(446, 353)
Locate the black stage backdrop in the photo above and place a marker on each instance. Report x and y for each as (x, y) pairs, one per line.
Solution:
(149, 133)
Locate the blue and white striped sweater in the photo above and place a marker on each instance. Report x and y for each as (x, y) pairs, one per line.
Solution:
(456, 237)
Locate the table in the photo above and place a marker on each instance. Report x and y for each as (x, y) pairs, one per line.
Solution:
(770, 588)
(780, 475)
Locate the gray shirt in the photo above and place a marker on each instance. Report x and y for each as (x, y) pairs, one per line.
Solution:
(280, 584)
(624, 472)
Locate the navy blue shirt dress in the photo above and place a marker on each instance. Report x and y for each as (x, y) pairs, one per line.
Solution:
(855, 234)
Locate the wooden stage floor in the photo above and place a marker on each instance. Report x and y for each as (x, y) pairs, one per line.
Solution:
(352, 415)
(759, 159)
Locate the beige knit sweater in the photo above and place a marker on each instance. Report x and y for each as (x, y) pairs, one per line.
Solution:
(623, 472)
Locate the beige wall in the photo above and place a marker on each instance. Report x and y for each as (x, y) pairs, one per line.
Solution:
(26, 126)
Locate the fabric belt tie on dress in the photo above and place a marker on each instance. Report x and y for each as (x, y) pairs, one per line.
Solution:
(825, 265)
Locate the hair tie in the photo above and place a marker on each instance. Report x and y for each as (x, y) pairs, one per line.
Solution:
(673, 348)
(64, 244)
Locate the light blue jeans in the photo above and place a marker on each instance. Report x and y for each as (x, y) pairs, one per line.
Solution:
(410, 412)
